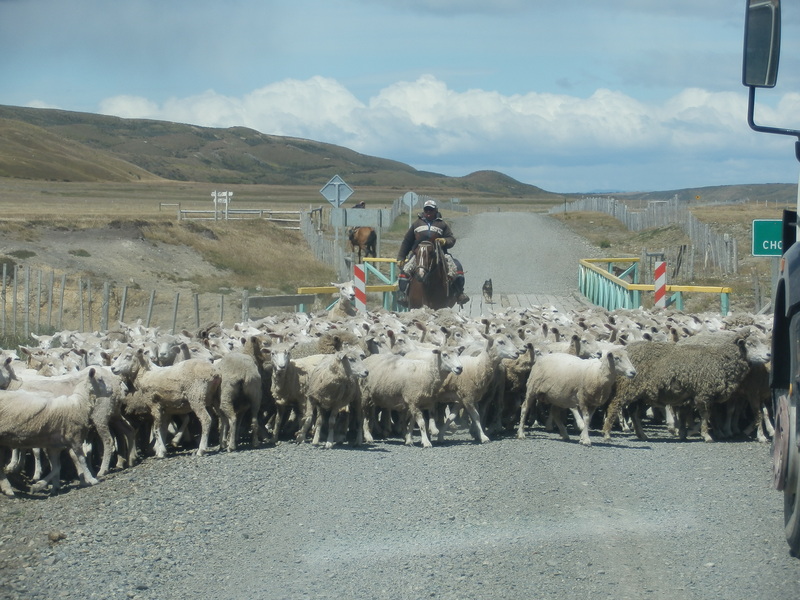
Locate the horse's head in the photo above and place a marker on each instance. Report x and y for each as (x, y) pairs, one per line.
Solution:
(427, 259)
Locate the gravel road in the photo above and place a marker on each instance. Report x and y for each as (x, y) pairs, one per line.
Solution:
(534, 518)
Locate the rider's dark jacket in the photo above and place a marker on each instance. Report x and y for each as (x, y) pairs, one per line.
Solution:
(421, 230)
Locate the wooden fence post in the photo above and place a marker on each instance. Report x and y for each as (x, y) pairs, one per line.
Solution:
(122, 307)
(150, 308)
(106, 300)
(175, 311)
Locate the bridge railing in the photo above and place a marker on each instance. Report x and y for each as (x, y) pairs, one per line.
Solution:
(608, 287)
(388, 285)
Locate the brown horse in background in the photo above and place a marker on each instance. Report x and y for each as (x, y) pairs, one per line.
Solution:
(364, 240)
(429, 285)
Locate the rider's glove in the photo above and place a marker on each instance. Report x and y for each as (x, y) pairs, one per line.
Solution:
(441, 241)
(401, 263)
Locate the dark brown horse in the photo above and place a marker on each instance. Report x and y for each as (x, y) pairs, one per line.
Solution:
(363, 240)
(429, 286)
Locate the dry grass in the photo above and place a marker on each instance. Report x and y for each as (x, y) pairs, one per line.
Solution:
(256, 255)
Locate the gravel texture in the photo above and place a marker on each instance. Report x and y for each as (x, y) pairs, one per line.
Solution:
(533, 518)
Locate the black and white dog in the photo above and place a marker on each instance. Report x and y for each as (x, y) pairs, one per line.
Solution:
(487, 291)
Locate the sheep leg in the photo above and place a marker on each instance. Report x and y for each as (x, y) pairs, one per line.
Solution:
(767, 421)
(82, 466)
(420, 420)
(318, 422)
(705, 419)
(5, 486)
(125, 429)
(477, 432)
(613, 414)
(727, 427)
(587, 414)
(432, 428)
(579, 420)
(306, 425)
(15, 464)
(38, 464)
(367, 420)
(526, 405)
(556, 414)
(333, 414)
(104, 431)
(636, 417)
(176, 439)
(674, 429)
(160, 431)
(276, 430)
(205, 424)
(53, 478)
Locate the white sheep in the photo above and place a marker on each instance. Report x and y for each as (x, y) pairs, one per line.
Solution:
(54, 422)
(408, 385)
(106, 413)
(346, 304)
(567, 381)
(239, 391)
(189, 386)
(331, 387)
(479, 373)
(288, 384)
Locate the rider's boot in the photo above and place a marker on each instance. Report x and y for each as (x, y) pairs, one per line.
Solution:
(458, 290)
(402, 289)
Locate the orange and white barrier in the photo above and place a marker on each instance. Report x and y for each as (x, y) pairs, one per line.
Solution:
(660, 278)
(360, 279)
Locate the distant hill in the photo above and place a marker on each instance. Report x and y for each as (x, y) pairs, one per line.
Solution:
(62, 145)
(59, 145)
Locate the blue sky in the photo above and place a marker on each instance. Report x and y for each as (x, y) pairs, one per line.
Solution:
(568, 95)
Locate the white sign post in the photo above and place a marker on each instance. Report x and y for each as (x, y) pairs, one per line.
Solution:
(410, 199)
(336, 191)
(221, 198)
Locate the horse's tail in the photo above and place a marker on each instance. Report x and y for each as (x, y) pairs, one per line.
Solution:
(372, 240)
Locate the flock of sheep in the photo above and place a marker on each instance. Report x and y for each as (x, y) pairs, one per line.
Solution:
(339, 376)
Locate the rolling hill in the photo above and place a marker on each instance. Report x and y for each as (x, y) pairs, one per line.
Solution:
(69, 146)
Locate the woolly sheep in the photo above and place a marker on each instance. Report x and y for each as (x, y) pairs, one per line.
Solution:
(332, 386)
(188, 386)
(705, 372)
(54, 422)
(567, 381)
(408, 385)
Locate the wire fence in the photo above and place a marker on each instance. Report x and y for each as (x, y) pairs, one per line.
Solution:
(709, 249)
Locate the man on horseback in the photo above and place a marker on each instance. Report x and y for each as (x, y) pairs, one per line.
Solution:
(429, 226)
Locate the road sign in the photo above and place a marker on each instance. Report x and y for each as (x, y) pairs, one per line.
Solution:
(767, 237)
(336, 191)
(410, 199)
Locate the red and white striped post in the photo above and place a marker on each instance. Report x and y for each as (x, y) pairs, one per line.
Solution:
(360, 278)
(660, 278)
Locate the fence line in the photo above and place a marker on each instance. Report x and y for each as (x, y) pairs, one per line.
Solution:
(715, 250)
(33, 301)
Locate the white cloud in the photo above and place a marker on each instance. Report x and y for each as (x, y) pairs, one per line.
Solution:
(423, 122)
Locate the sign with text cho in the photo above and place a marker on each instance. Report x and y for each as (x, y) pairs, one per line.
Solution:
(767, 237)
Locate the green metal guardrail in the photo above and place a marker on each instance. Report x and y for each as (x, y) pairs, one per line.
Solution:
(388, 286)
(604, 288)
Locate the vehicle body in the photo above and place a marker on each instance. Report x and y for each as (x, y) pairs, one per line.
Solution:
(760, 70)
